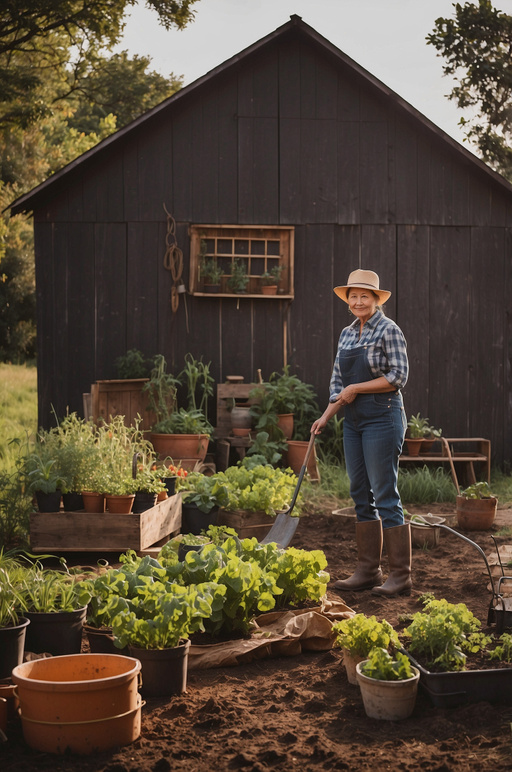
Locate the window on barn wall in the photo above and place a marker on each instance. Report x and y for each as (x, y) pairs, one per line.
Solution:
(252, 260)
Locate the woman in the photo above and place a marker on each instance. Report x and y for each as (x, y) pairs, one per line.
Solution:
(370, 369)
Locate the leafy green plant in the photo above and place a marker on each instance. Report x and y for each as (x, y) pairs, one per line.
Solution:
(162, 389)
(12, 602)
(273, 275)
(238, 279)
(478, 490)
(360, 634)
(443, 633)
(417, 426)
(43, 474)
(206, 492)
(283, 393)
(210, 271)
(161, 616)
(263, 450)
(133, 364)
(503, 651)
(259, 488)
(384, 667)
(15, 499)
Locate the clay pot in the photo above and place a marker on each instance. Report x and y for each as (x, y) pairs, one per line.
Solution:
(476, 514)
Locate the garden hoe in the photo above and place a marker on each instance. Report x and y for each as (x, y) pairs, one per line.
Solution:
(285, 526)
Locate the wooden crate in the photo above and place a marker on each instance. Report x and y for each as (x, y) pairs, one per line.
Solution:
(246, 524)
(121, 397)
(90, 532)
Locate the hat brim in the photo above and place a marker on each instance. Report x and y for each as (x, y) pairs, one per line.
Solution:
(341, 292)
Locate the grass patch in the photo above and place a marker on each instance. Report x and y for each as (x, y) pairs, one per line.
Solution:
(18, 409)
(425, 485)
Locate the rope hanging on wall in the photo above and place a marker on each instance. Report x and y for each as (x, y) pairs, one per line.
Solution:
(173, 262)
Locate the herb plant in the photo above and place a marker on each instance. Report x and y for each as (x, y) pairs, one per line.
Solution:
(384, 667)
(360, 634)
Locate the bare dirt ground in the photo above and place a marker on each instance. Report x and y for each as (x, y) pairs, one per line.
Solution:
(300, 713)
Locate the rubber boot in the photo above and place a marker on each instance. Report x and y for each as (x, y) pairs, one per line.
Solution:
(397, 542)
(369, 548)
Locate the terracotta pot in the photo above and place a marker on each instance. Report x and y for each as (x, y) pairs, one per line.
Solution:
(179, 446)
(269, 289)
(476, 514)
(413, 446)
(82, 703)
(120, 505)
(296, 454)
(241, 421)
(285, 423)
(93, 502)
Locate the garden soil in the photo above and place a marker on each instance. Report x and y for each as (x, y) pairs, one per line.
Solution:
(299, 712)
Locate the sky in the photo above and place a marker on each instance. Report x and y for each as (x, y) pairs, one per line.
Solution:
(386, 37)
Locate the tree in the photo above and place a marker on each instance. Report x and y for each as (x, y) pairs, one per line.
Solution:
(37, 36)
(477, 47)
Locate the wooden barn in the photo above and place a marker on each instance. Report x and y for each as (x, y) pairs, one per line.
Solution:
(292, 154)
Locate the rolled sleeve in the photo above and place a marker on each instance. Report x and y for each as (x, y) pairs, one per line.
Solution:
(394, 365)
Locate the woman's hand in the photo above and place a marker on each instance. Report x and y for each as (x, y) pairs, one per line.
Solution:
(320, 424)
(347, 396)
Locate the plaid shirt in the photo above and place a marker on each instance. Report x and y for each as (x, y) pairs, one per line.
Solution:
(385, 347)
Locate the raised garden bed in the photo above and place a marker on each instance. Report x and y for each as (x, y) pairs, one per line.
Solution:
(96, 532)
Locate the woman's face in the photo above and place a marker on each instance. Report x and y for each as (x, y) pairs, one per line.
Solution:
(362, 303)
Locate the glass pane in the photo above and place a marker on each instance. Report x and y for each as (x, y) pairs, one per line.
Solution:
(257, 247)
(241, 246)
(224, 247)
(273, 247)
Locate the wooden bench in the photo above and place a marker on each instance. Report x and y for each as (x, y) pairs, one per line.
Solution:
(467, 456)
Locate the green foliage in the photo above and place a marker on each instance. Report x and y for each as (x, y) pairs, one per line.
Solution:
(205, 491)
(210, 269)
(360, 634)
(272, 276)
(330, 442)
(442, 633)
(420, 428)
(162, 389)
(263, 450)
(260, 488)
(284, 393)
(238, 279)
(384, 667)
(476, 47)
(48, 590)
(12, 602)
(15, 500)
(423, 485)
(478, 490)
(503, 652)
(162, 615)
(133, 364)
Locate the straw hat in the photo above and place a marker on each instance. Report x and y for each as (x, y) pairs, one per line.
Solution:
(363, 280)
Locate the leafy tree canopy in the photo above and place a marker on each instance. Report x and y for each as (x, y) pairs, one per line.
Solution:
(477, 47)
(37, 36)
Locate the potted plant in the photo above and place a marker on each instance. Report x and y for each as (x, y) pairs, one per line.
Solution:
(281, 402)
(149, 483)
(202, 495)
(181, 433)
(238, 279)
(270, 280)
(13, 623)
(476, 507)
(439, 641)
(358, 635)
(54, 608)
(211, 274)
(156, 627)
(43, 476)
(389, 684)
(132, 365)
(416, 428)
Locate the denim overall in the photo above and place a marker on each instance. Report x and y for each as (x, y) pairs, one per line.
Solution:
(373, 435)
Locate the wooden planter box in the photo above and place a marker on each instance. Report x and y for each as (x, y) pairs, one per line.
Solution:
(247, 524)
(89, 532)
(121, 397)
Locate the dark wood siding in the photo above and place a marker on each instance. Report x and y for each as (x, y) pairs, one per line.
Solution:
(289, 134)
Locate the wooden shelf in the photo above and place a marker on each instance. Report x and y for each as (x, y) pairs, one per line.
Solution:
(467, 457)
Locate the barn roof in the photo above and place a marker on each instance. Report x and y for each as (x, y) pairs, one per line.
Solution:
(295, 26)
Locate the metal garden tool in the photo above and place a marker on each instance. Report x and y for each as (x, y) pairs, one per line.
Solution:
(285, 526)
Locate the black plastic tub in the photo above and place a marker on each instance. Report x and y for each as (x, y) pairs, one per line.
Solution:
(448, 690)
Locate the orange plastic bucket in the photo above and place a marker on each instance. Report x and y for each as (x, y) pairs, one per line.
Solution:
(79, 702)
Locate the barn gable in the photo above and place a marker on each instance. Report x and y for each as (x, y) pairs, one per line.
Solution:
(291, 132)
